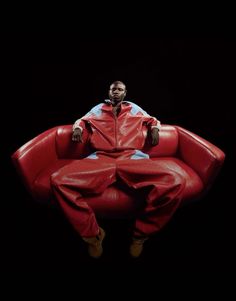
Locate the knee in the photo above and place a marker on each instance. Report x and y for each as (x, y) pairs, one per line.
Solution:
(55, 179)
(178, 179)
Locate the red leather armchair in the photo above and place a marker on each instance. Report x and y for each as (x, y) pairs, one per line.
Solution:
(197, 159)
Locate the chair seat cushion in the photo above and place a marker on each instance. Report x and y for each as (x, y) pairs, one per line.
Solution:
(118, 200)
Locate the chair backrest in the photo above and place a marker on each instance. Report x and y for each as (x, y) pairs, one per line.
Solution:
(67, 149)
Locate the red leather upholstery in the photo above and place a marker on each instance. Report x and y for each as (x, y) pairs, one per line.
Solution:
(194, 157)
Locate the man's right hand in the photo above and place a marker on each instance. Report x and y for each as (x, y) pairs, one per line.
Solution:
(77, 135)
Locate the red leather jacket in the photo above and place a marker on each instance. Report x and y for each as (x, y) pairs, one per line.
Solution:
(110, 133)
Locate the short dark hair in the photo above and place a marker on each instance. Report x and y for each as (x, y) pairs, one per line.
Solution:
(117, 82)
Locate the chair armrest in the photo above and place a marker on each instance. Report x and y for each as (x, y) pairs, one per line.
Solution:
(201, 155)
(34, 156)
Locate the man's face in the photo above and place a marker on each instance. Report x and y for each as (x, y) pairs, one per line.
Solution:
(117, 93)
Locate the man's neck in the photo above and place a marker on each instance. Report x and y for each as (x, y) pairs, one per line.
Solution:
(116, 104)
(116, 108)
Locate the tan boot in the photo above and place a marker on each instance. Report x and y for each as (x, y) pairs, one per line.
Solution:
(136, 246)
(95, 249)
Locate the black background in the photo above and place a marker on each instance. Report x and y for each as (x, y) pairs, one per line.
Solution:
(51, 79)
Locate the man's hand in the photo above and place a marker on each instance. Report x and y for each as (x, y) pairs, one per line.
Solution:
(155, 136)
(77, 135)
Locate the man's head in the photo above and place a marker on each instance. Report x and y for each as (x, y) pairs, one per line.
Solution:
(117, 92)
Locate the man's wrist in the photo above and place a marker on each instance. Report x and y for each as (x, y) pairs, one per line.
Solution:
(77, 130)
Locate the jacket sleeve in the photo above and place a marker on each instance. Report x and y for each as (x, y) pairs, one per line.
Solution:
(152, 122)
(80, 123)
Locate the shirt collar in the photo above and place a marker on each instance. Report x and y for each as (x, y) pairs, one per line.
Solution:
(107, 101)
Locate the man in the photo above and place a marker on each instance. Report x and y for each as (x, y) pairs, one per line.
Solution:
(117, 128)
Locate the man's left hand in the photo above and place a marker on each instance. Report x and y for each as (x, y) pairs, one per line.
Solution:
(155, 136)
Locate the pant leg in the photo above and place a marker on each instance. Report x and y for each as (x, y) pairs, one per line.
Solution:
(164, 192)
(71, 183)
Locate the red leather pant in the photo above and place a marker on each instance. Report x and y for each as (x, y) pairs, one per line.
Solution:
(87, 176)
